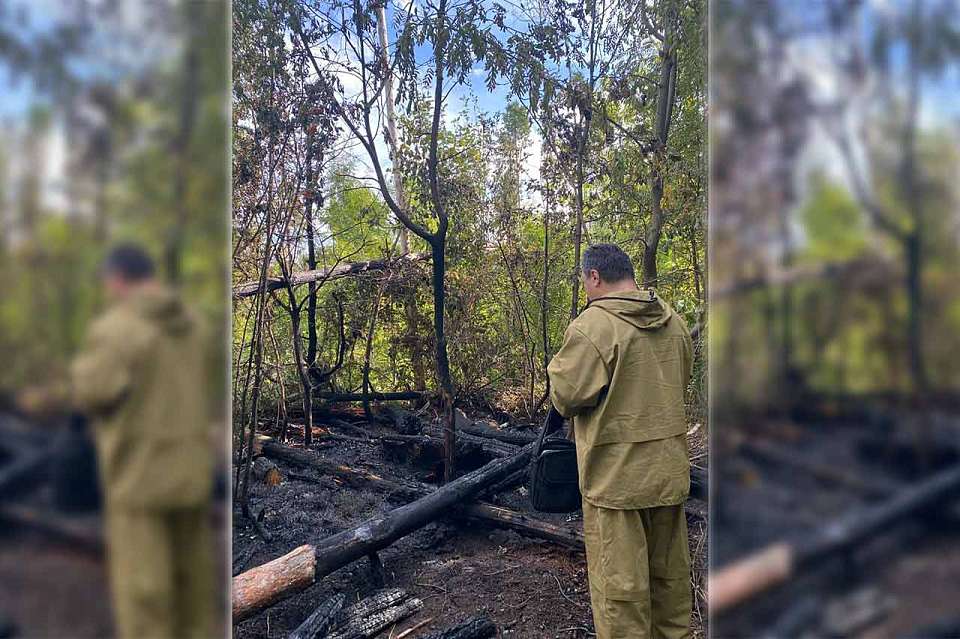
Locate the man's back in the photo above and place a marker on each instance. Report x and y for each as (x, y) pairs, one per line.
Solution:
(142, 379)
(621, 375)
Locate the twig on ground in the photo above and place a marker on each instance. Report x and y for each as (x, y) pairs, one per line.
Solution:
(414, 628)
(579, 605)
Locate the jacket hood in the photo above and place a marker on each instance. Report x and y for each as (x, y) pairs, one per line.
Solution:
(163, 307)
(643, 308)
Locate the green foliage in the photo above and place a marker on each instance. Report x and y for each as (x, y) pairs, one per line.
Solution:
(834, 227)
(509, 248)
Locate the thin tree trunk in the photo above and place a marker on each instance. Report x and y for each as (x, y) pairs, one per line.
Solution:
(695, 263)
(544, 303)
(311, 188)
(912, 242)
(181, 148)
(666, 91)
(578, 224)
(282, 409)
(304, 375)
(409, 297)
(257, 346)
(368, 351)
(438, 244)
(443, 363)
(391, 117)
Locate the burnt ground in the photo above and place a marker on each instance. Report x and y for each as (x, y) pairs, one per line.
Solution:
(900, 582)
(53, 573)
(528, 587)
(48, 589)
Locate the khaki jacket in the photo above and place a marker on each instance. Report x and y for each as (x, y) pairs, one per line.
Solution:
(621, 374)
(142, 379)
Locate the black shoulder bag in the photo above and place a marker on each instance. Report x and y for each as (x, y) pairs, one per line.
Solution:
(554, 486)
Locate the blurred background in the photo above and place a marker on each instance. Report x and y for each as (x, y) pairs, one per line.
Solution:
(835, 310)
(114, 120)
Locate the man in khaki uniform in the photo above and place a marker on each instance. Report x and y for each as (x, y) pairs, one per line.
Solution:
(621, 376)
(141, 378)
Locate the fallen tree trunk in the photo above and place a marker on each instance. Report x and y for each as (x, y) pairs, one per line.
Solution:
(357, 477)
(334, 398)
(322, 619)
(263, 586)
(474, 628)
(350, 545)
(778, 562)
(515, 437)
(483, 429)
(80, 535)
(249, 289)
(433, 440)
(830, 473)
(17, 474)
(569, 536)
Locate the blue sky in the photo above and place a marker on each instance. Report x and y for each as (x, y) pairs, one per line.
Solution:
(121, 43)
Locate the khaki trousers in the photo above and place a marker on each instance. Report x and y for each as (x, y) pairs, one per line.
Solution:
(162, 573)
(638, 564)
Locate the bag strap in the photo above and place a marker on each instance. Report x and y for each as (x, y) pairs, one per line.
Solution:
(549, 425)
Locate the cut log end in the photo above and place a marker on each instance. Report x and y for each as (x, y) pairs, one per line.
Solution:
(266, 472)
(729, 586)
(262, 586)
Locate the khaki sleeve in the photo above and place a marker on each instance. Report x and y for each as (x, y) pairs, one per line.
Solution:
(687, 354)
(578, 374)
(100, 375)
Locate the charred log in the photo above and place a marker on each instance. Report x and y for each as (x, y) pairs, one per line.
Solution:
(263, 586)
(80, 535)
(515, 437)
(466, 444)
(373, 397)
(357, 477)
(569, 536)
(779, 562)
(474, 628)
(321, 620)
(380, 532)
(403, 421)
(372, 615)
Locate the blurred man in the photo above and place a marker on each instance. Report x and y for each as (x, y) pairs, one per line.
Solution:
(141, 379)
(621, 375)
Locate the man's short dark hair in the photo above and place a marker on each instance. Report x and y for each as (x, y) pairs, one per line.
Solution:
(609, 261)
(130, 262)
